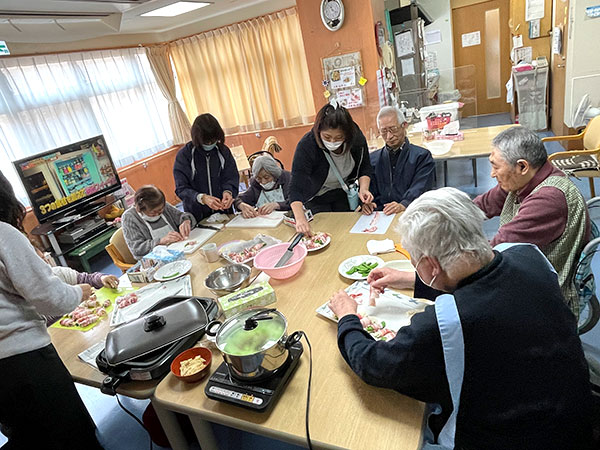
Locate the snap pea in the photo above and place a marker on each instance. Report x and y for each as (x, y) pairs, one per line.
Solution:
(363, 268)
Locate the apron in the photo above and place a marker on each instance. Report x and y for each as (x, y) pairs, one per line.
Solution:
(161, 232)
(272, 196)
(454, 360)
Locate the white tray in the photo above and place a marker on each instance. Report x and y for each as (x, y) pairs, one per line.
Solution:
(200, 235)
(269, 221)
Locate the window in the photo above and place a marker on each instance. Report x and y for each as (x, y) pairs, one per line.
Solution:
(49, 101)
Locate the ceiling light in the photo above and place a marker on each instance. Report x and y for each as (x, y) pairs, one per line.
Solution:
(176, 9)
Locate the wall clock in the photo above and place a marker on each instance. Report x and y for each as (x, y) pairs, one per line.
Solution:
(332, 14)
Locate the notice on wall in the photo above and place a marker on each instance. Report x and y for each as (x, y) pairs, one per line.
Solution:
(523, 54)
(350, 98)
(518, 41)
(408, 66)
(4, 49)
(404, 44)
(344, 77)
(534, 9)
(592, 11)
(471, 39)
(433, 37)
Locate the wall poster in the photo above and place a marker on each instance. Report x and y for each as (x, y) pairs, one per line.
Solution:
(341, 75)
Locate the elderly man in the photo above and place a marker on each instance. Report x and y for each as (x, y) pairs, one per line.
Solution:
(498, 360)
(538, 204)
(401, 171)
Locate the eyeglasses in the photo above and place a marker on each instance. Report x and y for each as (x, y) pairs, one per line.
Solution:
(393, 130)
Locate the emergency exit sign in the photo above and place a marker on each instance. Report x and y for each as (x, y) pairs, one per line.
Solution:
(4, 49)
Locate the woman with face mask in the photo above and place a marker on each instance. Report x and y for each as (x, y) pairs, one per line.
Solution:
(152, 221)
(268, 191)
(335, 148)
(206, 176)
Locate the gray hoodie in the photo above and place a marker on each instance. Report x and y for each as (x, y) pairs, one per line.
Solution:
(136, 232)
(28, 288)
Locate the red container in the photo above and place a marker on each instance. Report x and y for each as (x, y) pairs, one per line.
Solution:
(191, 353)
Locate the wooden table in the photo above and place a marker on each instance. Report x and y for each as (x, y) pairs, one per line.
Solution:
(476, 144)
(345, 412)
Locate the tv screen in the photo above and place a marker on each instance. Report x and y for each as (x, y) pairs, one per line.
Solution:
(67, 178)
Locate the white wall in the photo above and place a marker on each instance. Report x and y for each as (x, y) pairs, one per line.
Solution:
(441, 15)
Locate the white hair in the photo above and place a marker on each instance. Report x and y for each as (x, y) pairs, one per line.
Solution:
(516, 143)
(446, 225)
(391, 111)
(268, 163)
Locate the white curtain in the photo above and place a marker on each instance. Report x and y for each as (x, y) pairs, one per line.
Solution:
(49, 101)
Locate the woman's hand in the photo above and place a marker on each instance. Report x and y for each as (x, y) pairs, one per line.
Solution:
(384, 277)
(302, 226)
(248, 212)
(171, 237)
(86, 291)
(342, 304)
(368, 208)
(212, 202)
(227, 200)
(185, 228)
(365, 196)
(267, 208)
(110, 281)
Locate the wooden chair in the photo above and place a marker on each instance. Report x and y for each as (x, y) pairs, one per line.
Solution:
(584, 162)
(119, 252)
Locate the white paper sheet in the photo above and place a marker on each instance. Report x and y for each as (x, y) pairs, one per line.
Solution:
(534, 9)
(88, 356)
(471, 39)
(408, 66)
(342, 78)
(375, 223)
(433, 37)
(518, 41)
(404, 44)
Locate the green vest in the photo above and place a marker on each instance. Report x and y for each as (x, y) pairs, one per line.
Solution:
(563, 253)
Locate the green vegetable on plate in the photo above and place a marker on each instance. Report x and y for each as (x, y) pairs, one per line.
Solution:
(172, 275)
(363, 268)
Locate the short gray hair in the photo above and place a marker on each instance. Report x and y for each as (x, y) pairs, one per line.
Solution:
(517, 143)
(444, 224)
(391, 111)
(268, 163)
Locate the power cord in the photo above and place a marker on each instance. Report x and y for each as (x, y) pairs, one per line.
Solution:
(310, 447)
(139, 421)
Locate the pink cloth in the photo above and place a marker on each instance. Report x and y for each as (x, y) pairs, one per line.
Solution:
(542, 217)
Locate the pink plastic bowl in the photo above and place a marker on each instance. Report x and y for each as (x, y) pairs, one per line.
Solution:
(267, 258)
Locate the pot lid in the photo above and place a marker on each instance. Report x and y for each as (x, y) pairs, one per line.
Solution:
(251, 332)
(154, 330)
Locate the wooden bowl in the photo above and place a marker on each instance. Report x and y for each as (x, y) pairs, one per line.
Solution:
(204, 352)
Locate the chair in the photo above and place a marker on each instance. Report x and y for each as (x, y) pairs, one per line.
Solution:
(584, 162)
(589, 307)
(119, 252)
(255, 155)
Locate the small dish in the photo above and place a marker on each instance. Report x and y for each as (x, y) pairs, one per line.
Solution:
(173, 270)
(439, 147)
(204, 352)
(349, 263)
(308, 242)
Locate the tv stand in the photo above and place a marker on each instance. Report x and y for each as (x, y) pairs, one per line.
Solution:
(81, 235)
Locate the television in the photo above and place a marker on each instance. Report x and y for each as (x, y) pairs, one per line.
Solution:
(68, 179)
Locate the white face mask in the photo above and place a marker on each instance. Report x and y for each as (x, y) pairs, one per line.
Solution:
(430, 284)
(331, 146)
(149, 218)
(209, 147)
(268, 185)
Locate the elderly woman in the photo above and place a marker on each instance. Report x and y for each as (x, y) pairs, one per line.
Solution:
(497, 359)
(269, 189)
(330, 160)
(152, 221)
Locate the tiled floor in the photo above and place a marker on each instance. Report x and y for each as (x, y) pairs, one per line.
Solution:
(118, 431)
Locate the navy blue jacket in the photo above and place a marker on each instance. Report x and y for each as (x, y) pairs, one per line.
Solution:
(310, 166)
(526, 382)
(224, 176)
(414, 174)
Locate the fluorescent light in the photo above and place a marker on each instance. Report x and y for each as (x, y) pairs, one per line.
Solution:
(176, 9)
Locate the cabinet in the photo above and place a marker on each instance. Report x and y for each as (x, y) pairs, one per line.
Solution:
(80, 236)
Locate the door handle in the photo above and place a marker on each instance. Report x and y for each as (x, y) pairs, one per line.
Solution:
(560, 65)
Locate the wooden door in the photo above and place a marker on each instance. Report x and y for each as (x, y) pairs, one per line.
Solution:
(482, 51)
(557, 71)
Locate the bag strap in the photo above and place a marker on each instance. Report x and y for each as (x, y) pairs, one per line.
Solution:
(454, 360)
(336, 172)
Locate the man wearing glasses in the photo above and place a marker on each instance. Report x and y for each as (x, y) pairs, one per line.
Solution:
(401, 171)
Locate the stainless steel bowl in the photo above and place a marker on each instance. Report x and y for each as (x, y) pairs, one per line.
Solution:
(228, 279)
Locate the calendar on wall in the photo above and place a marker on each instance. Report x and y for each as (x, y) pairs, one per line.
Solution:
(343, 80)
